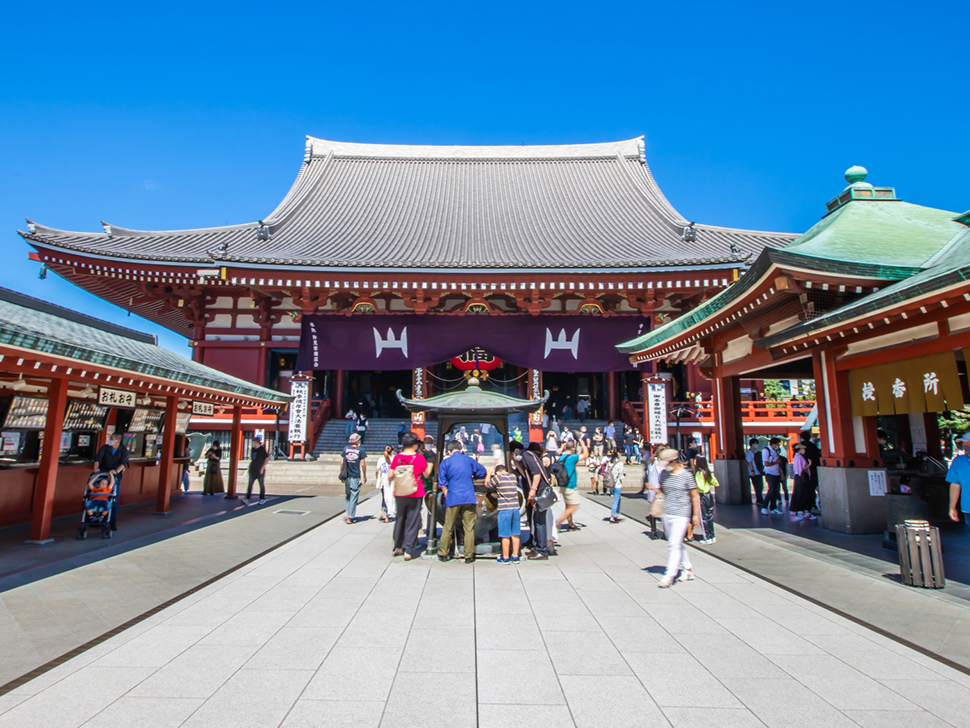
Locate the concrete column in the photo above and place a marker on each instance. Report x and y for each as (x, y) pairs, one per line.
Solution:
(40, 524)
(165, 465)
(235, 451)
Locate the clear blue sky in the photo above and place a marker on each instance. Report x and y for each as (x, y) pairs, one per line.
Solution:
(194, 114)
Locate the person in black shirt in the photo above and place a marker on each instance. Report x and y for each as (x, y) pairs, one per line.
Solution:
(112, 458)
(257, 470)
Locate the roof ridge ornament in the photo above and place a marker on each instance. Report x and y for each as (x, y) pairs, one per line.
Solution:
(689, 234)
(262, 233)
(107, 228)
(859, 189)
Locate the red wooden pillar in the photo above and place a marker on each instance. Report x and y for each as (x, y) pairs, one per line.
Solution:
(262, 361)
(339, 383)
(728, 418)
(612, 397)
(40, 524)
(235, 451)
(165, 466)
(834, 409)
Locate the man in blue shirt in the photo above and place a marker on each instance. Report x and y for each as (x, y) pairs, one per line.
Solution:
(455, 478)
(959, 479)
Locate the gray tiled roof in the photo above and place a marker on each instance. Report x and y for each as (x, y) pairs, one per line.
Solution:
(589, 206)
(38, 328)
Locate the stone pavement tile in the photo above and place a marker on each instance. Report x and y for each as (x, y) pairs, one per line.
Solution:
(498, 632)
(895, 719)
(718, 605)
(340, 675)
(803, 621)
(154, 712)
(500, 678)
(584, 653)
(75, 699)
(755, 595)
(334, 613)
(389, 629)
(439, 651)
(196, 673)
(154, 648)
(840, 684)
(344, 587)
(560, 591)
(248, 628)
(602, 701)
(451, 704)
(553, 617)
(295, 648)
(943, 698)
(252, 698)
(725, 655)
(614, 602)
(211, 612)
(502, 601)
(312, 577)
(684, 618)
(675, 680)
(333, 714)
(505, 716)
(9, 700)
(768, 638)
(873, 659)
(786, 703)
(714, 717)
(433, 614)
(639, 634)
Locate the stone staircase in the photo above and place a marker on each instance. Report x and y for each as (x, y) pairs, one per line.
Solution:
(382, 432)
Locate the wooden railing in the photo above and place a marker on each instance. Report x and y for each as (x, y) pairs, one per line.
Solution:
(319, 414)
(761, 411)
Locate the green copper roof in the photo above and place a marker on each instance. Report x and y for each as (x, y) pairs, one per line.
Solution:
(33, 324)
(951, 265)
(473, 400)
(878, 238)
(878, 232)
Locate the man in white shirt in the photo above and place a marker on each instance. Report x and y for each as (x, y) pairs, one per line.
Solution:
(756, 471)
(769, 457)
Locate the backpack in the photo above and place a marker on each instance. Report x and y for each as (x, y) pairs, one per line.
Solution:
(560, 474)
(405, 483)
(609, 482)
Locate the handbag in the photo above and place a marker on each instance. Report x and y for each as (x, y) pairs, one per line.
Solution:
(343, 470)
(481, 446)
(545, 497)
(405, 484)
(657, 506)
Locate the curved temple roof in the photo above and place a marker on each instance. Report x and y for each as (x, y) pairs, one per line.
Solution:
(381, 206)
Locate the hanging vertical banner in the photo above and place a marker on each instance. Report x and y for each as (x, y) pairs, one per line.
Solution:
(417, 387)
(657, 411)
(535, 392)
(299, 409)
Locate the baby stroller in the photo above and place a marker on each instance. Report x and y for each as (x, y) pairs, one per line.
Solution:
(99, 498)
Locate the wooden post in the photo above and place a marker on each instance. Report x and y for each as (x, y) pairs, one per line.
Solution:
(612, 395)
(235, 451)
(168, 453)
(728, 417)
(40, 524)
(339, 383)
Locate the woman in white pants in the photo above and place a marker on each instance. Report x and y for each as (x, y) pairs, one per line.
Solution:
(388, 504)
(681, 508)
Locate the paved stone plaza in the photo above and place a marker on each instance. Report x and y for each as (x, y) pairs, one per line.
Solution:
(329, 630)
